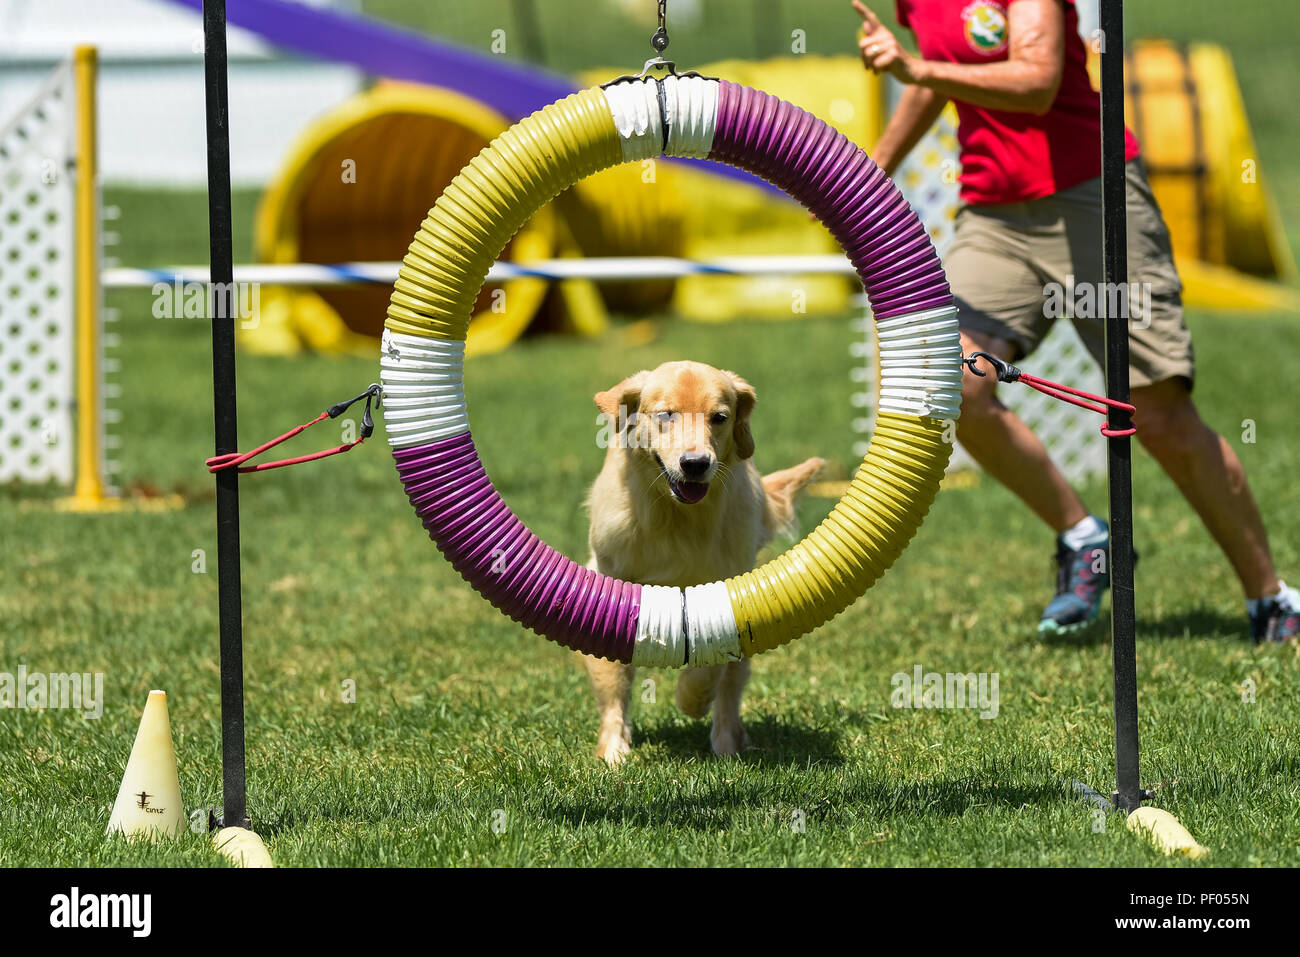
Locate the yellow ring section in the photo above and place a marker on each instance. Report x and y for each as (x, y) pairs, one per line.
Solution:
(862, 536)
(488, 201)
(448, 261)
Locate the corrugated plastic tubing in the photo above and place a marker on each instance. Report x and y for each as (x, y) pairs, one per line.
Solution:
(447, 264)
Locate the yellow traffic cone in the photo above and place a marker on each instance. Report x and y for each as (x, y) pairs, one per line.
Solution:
(149, 801)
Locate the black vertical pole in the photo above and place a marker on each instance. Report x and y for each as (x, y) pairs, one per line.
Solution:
(221, 265)
(1128, 790)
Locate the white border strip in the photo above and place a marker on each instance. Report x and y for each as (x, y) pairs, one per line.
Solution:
(424, 388)
(920, 363)
(692, 106)
(711, 624)
(635, 107)
(660, 642)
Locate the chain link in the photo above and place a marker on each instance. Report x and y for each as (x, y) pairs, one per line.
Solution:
(660, 39)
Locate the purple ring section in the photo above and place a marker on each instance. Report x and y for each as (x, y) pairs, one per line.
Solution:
(523, 576)
(850, 194)
(510, 566)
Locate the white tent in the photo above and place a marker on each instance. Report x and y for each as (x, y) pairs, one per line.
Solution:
(151, 85)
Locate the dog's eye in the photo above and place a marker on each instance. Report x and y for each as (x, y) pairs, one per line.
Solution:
(718, 418)
(666, 418)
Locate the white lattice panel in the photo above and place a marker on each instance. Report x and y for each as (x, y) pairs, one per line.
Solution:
(928, 178)
(36, 287)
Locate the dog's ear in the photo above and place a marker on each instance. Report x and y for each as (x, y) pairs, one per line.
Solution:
(626, 394)
(745, 399)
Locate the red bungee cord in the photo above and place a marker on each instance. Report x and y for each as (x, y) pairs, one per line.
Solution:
(1009, 373)
(236, 460)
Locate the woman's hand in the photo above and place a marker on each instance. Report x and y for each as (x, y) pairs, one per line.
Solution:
(881, 51)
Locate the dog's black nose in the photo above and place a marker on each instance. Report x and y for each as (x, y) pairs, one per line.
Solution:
(694, 464)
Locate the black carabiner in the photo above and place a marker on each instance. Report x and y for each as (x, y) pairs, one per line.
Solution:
(1005, 370)
(375, 391)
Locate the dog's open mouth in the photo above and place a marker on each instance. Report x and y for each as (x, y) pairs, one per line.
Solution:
(688, 493)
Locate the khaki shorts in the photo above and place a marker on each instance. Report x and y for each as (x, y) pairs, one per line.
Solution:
(1012, 268)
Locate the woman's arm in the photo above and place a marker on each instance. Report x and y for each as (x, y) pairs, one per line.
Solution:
(1026, 82)
(916, 113)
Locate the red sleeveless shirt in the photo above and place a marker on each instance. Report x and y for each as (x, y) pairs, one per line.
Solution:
(1010, 157)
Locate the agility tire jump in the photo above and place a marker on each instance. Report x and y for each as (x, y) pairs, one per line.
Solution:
(423, 356)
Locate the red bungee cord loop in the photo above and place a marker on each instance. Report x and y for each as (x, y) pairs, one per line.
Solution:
(236, 460)
(1009, 373)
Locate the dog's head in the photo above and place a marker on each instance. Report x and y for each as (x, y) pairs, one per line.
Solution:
(684, 420)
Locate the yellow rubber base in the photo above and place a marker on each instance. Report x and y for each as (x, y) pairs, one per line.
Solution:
(242, 846)
(1166, 833)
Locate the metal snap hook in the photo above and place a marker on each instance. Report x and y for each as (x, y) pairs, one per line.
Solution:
(1006, 372)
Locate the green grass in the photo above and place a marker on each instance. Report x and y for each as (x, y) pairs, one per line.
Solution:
(460, 713)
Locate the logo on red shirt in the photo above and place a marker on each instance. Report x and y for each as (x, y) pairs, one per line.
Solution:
(985, 25)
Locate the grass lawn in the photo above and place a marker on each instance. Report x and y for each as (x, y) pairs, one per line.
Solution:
(463, 721)
(460, 714)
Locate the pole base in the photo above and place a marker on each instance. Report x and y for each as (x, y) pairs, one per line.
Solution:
(217, 820)
(1111, 803)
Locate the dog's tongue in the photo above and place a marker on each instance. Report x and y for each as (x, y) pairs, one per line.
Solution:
(692, 492)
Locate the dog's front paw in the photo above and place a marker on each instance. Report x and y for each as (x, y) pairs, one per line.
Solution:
(729, 739)
(614, 744)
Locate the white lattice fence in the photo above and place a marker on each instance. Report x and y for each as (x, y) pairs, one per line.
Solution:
(928, 178)
(36, 287)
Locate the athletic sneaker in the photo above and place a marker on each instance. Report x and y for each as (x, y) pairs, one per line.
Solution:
(1278, 618)
(1079, 584)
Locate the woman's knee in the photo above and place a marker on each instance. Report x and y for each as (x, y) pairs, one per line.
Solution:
(979, 393)
(1167, 421)
(978, 398)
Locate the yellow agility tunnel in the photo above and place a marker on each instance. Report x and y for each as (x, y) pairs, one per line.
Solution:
(1185, 107)
(347, 192)
(359, 175)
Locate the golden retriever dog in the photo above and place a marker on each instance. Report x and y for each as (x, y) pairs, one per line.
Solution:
(679, 502)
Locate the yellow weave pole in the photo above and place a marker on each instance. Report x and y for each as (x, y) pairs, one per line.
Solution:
(88, 493)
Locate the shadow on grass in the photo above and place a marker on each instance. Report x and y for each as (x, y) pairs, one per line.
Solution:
(776, 742)
(1191, 623)
(1195, 623)
(711, 805)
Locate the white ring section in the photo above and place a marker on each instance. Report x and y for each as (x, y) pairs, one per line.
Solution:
(424, 388)
(635, 108)
(920, 363)
(711, 624)
(660, 641)
(691, 103)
